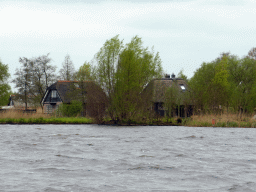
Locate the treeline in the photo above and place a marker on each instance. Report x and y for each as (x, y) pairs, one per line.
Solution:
(123, 71)
(227, 83)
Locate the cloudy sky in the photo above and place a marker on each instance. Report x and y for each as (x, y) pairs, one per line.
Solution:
(186, 33)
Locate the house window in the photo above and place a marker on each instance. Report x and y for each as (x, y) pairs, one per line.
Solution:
(54, 94)
(183, 87)
(48, 109)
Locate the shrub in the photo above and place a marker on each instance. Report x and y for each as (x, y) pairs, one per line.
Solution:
(221, 124)
(185, 121)
(10, 120)
(70, 110)
(232, 124)
(21, 120)
(254, 124)
(39, 120)
(30, 120)
(245, 124)
(206, 124)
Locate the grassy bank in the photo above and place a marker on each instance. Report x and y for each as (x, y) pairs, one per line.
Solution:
(52, 120)
(16, 117)
(223, 120)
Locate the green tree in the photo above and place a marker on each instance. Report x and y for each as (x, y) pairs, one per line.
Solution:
(86, 72)
(200, 85)
(107, 60)
(227, 81)
(181, 75)
(136, 68)
(5, 89)
(220, 84)
(243, 81)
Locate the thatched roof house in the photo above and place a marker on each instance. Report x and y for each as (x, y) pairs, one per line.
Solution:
(68, 91)
(159, 91)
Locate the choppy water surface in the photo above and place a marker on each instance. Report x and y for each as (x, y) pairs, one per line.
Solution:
(111, 158)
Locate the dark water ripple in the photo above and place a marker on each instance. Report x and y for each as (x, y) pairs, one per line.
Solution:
(101, 158)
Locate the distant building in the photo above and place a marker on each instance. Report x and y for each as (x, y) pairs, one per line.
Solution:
(16, 102)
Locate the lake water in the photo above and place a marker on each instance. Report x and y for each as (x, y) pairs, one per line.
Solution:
(112, 158)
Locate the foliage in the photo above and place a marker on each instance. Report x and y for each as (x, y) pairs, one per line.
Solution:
(220, 84)
(123, 72)
(33, 78)
(67, 72)
(4, 86)
(252, 53)
(86, 72)
(227, 82)
(23, 79)
(70, 110)
(181, 75)
(60, 120)
(107, 60)
(136, 68)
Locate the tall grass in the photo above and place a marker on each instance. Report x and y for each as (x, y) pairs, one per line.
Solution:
(15, 114)
(222, 120)
(18, 117)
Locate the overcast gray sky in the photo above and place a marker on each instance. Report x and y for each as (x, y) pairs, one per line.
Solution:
(186, 33)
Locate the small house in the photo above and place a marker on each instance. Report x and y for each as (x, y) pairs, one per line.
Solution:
(68, 91)
(169, 96)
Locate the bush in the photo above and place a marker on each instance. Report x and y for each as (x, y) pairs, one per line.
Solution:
(221, 124)
(39, 120)
(185, 121)
(21, 120)
(206, 124)
(232, 124)
(70, 110)
(10, 120)
(245, 124)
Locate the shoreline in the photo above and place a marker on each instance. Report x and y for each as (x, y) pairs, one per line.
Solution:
(87, 121)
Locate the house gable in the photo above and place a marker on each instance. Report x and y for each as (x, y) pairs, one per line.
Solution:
(52, 96)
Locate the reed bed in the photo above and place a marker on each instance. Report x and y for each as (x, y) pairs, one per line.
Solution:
(222, 120)
(206, 120)
(17, 114)
(19, 117)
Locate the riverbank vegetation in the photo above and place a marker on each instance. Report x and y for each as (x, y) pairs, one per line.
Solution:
(19, 117)
(206, 120)
(223, 89)
(223, 120)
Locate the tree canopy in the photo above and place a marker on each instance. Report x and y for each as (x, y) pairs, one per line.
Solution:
(5, 89)
(33, 78)
(227, 81)
(67, 72)
(123, 72)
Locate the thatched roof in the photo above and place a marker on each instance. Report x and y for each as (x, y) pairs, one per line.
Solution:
(67, 89)
(157, 88)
